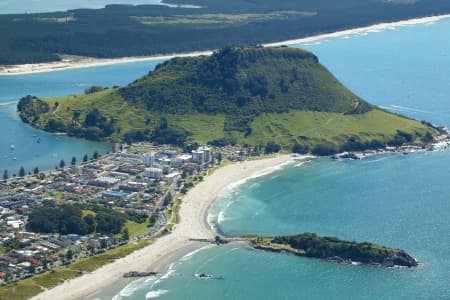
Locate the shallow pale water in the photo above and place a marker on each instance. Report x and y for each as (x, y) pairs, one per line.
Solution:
(395, 200)
(47, 154)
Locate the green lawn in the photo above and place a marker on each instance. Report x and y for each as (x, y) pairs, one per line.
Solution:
(135, 228)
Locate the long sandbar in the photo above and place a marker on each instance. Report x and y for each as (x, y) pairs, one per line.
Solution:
(192, 224)
(87, 62)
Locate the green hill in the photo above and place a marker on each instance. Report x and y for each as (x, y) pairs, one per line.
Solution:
(246, 95)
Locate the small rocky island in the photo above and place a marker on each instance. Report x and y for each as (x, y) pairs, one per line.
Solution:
(334, 249)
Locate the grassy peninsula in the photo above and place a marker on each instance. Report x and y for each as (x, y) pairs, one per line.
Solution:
(277, 96)
(334, 249)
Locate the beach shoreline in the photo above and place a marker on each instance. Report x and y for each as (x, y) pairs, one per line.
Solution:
(171, 247)
(87, 62)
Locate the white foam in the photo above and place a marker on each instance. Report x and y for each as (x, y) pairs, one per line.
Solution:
(259, 174)
(231, 188)
(8, 103)
(129, 290)
(302, 163)
(398, 107)
(375, 160)
(155, 294)
(169, 272)
(191, 254)
(221, 217)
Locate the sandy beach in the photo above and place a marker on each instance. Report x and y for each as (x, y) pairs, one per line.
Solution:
(86, 62)
(157, 256)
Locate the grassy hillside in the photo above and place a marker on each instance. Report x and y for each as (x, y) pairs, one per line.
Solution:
(238, 95)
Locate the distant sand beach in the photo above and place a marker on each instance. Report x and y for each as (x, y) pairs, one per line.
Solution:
(73, 62)
(192, 224)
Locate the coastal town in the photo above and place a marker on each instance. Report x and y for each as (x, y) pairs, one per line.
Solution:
(140, 180)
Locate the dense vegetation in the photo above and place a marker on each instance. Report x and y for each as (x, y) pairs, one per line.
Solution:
(69, 219)
(331, 248)
(270, 98)
(125, 30)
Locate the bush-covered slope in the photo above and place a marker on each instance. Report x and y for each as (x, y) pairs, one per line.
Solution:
(248, 95)
(334, 249)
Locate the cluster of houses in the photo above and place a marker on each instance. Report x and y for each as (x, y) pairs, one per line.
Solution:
(135, 179)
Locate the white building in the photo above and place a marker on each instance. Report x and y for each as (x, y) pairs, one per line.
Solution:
(149, 159)
(181, 160)
(202, 155)
(206, 153)
(153, 173)
(198, 156)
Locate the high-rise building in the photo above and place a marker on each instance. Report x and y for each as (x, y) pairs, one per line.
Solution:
(149, 159)
(198, 157)
(206, 153)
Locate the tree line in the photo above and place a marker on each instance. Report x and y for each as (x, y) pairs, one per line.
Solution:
(115, 32)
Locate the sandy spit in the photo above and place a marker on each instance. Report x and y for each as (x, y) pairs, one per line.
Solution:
(87, 62)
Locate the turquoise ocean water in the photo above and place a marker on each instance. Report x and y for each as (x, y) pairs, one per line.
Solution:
(395, 200)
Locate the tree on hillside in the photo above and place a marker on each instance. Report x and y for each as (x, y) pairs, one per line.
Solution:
(74, 161)
(21, 172)
(95, 156)
(5, 175)
(36, 171)
(69, 254)
(85, 158)
(301, 149)
(90, 223)
(93, 89)
(62, 163)
(125, 234)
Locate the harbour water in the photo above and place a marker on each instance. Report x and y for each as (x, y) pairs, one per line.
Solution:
(47, 154)
(394, 200)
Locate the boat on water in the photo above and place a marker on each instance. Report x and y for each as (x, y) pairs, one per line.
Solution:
(204, 276)
(207, 276)
(13, 147)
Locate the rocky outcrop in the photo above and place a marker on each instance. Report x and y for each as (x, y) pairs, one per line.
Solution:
(335, 250)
